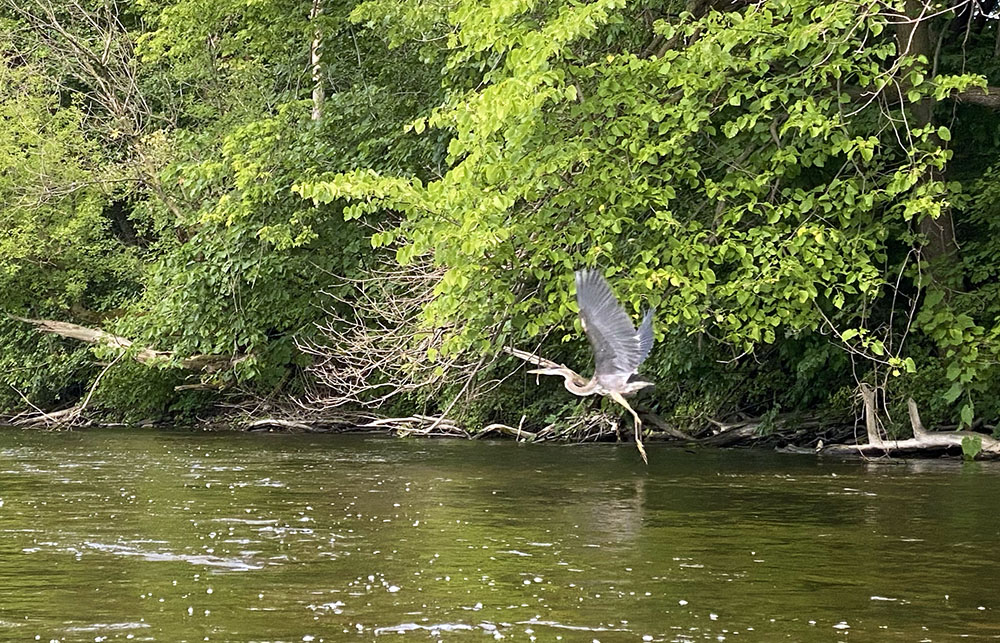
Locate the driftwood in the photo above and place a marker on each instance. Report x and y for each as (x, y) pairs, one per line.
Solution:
(204, 363)
(729, 435)
(517, 433)
(426, 425)
(288, 425)
(785, 431)
(923, 441)
(54, 418)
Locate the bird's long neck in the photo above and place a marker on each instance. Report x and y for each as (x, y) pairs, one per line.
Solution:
(577, 385)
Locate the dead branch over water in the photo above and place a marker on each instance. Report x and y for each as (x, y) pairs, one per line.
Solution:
(205, 363)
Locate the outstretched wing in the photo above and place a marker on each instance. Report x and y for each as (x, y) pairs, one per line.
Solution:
(617, 347)
(646, 336)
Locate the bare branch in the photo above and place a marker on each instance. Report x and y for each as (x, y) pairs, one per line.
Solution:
(375, 345)
(206, 363)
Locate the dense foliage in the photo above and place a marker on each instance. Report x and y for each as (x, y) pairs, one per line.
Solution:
(801, 189)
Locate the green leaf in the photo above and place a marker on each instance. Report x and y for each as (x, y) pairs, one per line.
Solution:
(972, 446)
(953, 392)
(967, 415)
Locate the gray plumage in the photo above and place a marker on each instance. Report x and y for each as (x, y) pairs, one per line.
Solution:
(619, 347)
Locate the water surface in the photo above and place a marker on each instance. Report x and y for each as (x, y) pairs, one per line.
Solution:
(172, 536)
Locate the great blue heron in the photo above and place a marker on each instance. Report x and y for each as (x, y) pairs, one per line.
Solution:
(619, 348)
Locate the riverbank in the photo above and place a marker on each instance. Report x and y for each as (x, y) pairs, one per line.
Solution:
(792, 432)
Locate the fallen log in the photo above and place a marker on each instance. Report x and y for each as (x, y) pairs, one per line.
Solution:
(41, 418)
(923, 441)
(664, 429)
(269, 423)
(203, 363)
(732, 435)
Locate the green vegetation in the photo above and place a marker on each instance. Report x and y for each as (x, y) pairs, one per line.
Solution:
(362, 203)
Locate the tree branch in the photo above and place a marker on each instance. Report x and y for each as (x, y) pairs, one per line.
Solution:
(206, 363)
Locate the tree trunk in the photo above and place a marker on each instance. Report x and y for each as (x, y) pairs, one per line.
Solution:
(315, 60)
(913, 38)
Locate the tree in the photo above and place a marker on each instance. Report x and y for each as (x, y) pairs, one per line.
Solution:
(200, 108)
(764, 178)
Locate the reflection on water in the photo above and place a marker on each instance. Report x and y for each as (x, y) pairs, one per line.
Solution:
(185, 536)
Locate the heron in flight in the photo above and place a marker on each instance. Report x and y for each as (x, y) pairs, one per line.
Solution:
(619, 348)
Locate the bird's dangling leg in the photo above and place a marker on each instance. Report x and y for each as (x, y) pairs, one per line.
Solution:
(617, 397)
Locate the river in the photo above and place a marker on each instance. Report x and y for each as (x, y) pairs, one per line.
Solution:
(176, 535)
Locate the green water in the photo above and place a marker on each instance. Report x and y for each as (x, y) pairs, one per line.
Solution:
(173, 536)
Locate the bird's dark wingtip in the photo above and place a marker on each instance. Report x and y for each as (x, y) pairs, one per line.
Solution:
(635, 378)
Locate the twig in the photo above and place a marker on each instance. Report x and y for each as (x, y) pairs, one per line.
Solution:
(93, 387)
